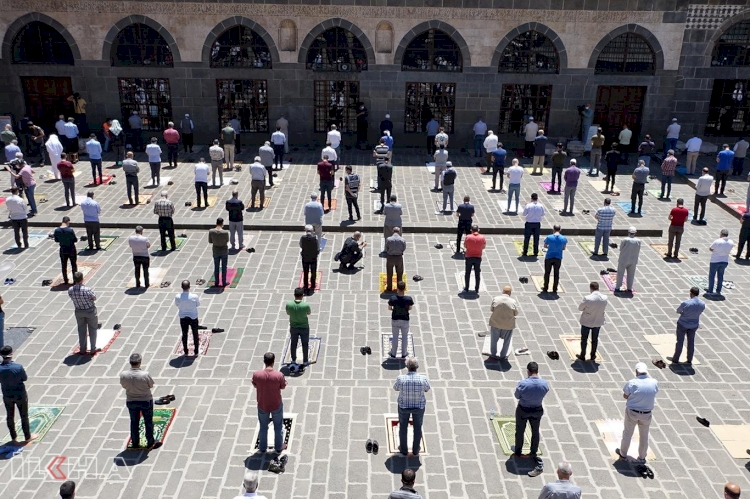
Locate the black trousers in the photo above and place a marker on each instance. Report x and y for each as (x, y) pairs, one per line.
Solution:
(187, 141)
(278, 155)
(350, 201)
(172, 152)
(309, 273)
(93, 233)
(201, 187)
(18, 227)
(185, 324)
(498, 171)
(430, 145)
(269, 170)
(549, 264)
(744, 239)
(166, 228)
(699, 201)
(64, 258)
(531, 229)
(721, 178)
(22, 402)
(529, 149)
(475, 263)
(237, 146)
(464, 227)
(637, 192)
(556, 172)
(385, 192)
(532, 416)
(585, 339)
(141, 262)
(131, 181)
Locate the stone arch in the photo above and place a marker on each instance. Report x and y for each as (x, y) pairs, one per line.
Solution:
(231, 22)
(138, 19)
(384, 38)
(444, 27)
(562, 55)
(719, 32)
(630, 28)
(287, 36)
(17, 25)
(332, 23)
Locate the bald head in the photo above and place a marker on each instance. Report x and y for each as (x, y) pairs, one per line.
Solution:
(507, 290)
(731, 491)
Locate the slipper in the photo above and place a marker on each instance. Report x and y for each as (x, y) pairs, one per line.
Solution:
(43, 200)
(217, 330)
(368, 350)
(522, 351)
(439, 246)
(614, 193)
(275, 174)
(165, 284)
(170, 183)
(363, 351)
(117, 326)
(234, 181)
(47, 282)
(250, 250)
(161, 401)
(693, 250)
(111, 182)
(553, 355)
(728, 284)
(9, 281)
(585, 212)
(418, 278)
(659, 363)
(368, 446)
(603, 272)
(171, 397)
(613, 245)
(84, 238)
(200, 326)
(703, 421)
(184, 234)
(276, 466)
(375, 447)
(200, 282)
(611, 270)
(188, 203)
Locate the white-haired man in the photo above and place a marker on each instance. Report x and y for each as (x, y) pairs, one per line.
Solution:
(640, 393)
(562, 488)
(411, 404)
(630, 250)
(164, 208)
(250, 485)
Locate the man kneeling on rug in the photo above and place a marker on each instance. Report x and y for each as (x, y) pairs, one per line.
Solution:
(351, 252)
(140, 402)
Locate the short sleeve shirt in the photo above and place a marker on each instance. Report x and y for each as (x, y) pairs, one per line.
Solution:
(400, 306)
(465, 211)
(555, 244)
(679, 215)
(298, 313)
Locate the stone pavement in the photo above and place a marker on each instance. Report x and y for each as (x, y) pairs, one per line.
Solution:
(341, 400)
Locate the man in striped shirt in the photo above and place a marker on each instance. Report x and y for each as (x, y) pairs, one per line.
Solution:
(83, 299)
(604, 216)
(165, 209)
(411, 403)
(667, 173)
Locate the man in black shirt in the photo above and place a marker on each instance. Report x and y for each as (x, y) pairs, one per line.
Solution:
(12, 377)
(744, 236)
(362, 115)
(235, 207)
(351, 191)
(66, 238)
(309, 245)
(400, 304)
(351, 253)
(385, 177)
(613, 158)
(465, 214)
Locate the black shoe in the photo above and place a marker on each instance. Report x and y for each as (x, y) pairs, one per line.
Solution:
(581, 357)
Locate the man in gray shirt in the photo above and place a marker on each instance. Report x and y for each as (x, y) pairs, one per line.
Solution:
(640, 177)
(140, 244)
(267, 154)
(392, 213)
(394, 250)
(130, 168)
(563, 488)
(408, 477)
(314, 216)
(218, 237)
(441, 160)
(139, 400)
(257, 182)
(630, 249)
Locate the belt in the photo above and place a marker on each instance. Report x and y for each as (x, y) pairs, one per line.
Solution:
(531, 408)
(640, 412)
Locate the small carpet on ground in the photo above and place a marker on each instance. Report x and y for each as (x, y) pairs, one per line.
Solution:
(15, 336)
(461, 281)
(106, 241)
(204, 337)
(163, 417)
(430, 167)
(587, 246)
(505, 432)
(611, 432)
(313, 350)
(738, 207)
(539, 283)
(104, 340)
(452, 245)
(332, 206)
(385, 344)
(735, 438)
(155, 277)
(664, 345)
(392, 429)
(545, 185)
(559, 204)
(599, 185)
(35, 239)
(394, 280)
(88, 269)
(611, 278)
(287, 433)
(233, 276)
(661, 249)
(448, 207)
(318, 280)
(41, 419)
(626, 205)
(105, 181)
(573, 346)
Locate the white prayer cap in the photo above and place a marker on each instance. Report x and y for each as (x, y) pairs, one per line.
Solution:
(387, 116)
(632, 230)
(641, 368)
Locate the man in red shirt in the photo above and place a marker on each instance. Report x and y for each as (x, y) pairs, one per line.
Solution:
(474, 244)
(325, 171)
(172, 138)
(268, 384)
(677, 218)
(68, 180)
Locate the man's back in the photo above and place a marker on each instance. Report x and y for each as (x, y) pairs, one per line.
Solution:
(392, 213)
(561, 489)
(404, 493)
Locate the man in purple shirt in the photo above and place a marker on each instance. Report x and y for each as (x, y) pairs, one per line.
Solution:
(571, 175)
(723, 164)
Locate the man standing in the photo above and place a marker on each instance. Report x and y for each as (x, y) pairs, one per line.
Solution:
(71, 138)
(94, 148)
(386, 125)
(673, 134)
(282, 125)
(309, 249)
(8, 136)
(640, 179)
(332, 155)
(268, 384)
(475, 244)
(441, 161)
(12, 378)
(744, 236)
(235, 207)
(515, 173)
(677, 218)
(668, 167)
(218, 238)
(490, 146)
(172, 139)
(613, 159)
(87, 318)
(558, 160)
(690, 312)
(740, 151)
(400, 304)
(571, 176)
(448, 179)
(504, 311)
(592, 310)
(534, 212)
(411, 405)
(325, 173)
(393, 214)
(187, 304)
(153, 151)
(314, 216)
(530, 131)
(498, 165)
(26, 176)
(381, 152)
(362, 115)
(385, 183)
(258, 182)
(626, 134)
(351, 191)
(66, 238)
(216, 153)
(91, 211)
(11, 150)
(693, 146)
(140, 244)
(201, 181)
(235, 124)
(530, 393)
(395, 246)
(164, 208)
(562, 488)
(136, 129)
(645, 149)
(555, 244)
(480, 129)
(228, 136)
(266, 155)
(720, 251)
(36, 140)
(278, 141)
(640, 393)
(333, 140)
(140, 402)
(605, 216)
(298, 311)
(587, 118)
(351, 252)
(723, 163)
(131, 169)
(432, 129)
(597, 142)
(408, 476)
(18, 217)
(702, 191)
(67, 172)
(540, 146)
(465, 214)
(630, 250)
(441, 138)
(187, 127)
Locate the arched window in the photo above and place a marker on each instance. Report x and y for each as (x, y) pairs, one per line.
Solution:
(733, 47)
(628, 53)
(140, 45)
(530, 52)
(433, 50)
(242, 47)
(337, 49)
(40, 43)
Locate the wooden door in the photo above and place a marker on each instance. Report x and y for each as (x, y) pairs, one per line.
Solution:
(46, 99)
(617, 106)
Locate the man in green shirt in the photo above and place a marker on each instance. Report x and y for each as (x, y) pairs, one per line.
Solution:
(228, 135)
(218, 237)
(299, 327)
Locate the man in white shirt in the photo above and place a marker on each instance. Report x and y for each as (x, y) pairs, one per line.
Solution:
(201, 181)
(702, 191)
(257, 183)
(673, 133)
(592, 310)
(250, 485)
(60, 126)
(187, 304)
(514, 174)
(333, 138)
(283, 125)
(216, 153)
(332, 154)
(480, 129)
(640, 393)
(720, 251)
(441, 161)
(740, 151)
(441, 138)
(140, 244)
(529, 136)
(534, 212)
(626, 134)
(490, 146)
(693, 146)
(563, 488)
(278, 141)
(153, 151)
(19, 219)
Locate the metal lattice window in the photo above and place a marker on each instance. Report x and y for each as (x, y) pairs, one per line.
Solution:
(729, 110)
(530, 52)
(140, 45)
(427, 100)
(336, 104)
(40, 43)
(433, 50)
(241, 47)
(337, 49)
(519, 101)
(150, 97)
(626, 54)
(246, 100)
(733, 47)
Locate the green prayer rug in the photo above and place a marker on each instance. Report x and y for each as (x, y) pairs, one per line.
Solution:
(106, 241)
(505, 430)
(179, 242)
(588, 247)
(41, 419)
(163, 418)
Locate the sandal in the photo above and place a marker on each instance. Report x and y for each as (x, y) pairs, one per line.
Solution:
(375, 447)
(659, 363)
(418, 278)
(368, 446)
(439, 246)
(705, 422)
(165, 284)
(47, 282)
(117, 326)
(363, 350)
(368, 350)
(200, 282)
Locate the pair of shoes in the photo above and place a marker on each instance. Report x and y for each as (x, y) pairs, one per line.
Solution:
(523, 280)
(620, 454)
(365, 350)
(164, 400)
(659, 363)
(372, 446)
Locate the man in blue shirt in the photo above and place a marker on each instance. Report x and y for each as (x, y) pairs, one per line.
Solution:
(530, 392)
(690, 312)
(91, 211)
(498, 164)
(640, 393)
(723, 164)
(314, 216)
(555, 244)
(432, 129)
(94, 149)
(12, 377)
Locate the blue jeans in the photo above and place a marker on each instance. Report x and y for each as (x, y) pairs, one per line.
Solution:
(417, 416)
(220, 259)
(671, 144)
(600, 234)
(714, 269)
(30, 195)
(278, 425)
(478, 143)
(514, 189)
(681, 333)
(136, 408)
(666, 181)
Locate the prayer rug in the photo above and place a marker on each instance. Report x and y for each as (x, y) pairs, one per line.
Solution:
(2, 200)
(250, 205)
(504, 206)
(611, 432)
(155, 277)
(164, 181)
(40, 197)
(333, 205)
(487, 183)
(373, 183)
(430, 167)
(505, 431)
(313, 351)
(318, 280)
(105, 181)
(661, 249)
(735, 438)
(204, 337)
(738, 207)
(539, 282)
(394, 280)
(212, 200)
(15, 336)
(664, 345)
(287, 433)
(104, 340)
(625, 206)
(247, 240)
(460, 280)
(143, 199)
(391, 430)
(41, 419)
(163, 417)
(611, 278)
(559, 204)
(452, 245)
(654, 192)
(323, 242)
(233, 276)
(482, 169)
(376, 205)
(226, 181)
(545, 185)
(518, 244)
(80, 198)
(573, 346)
(599, 185)
(449, 207)
(385, 344)
(486, 345)
(529, 169)
(35, 239)
(588, 247)
(336, 182)
(700, 281)
(88, 269)
(106, 241)
(179, 243)
(285, 165)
